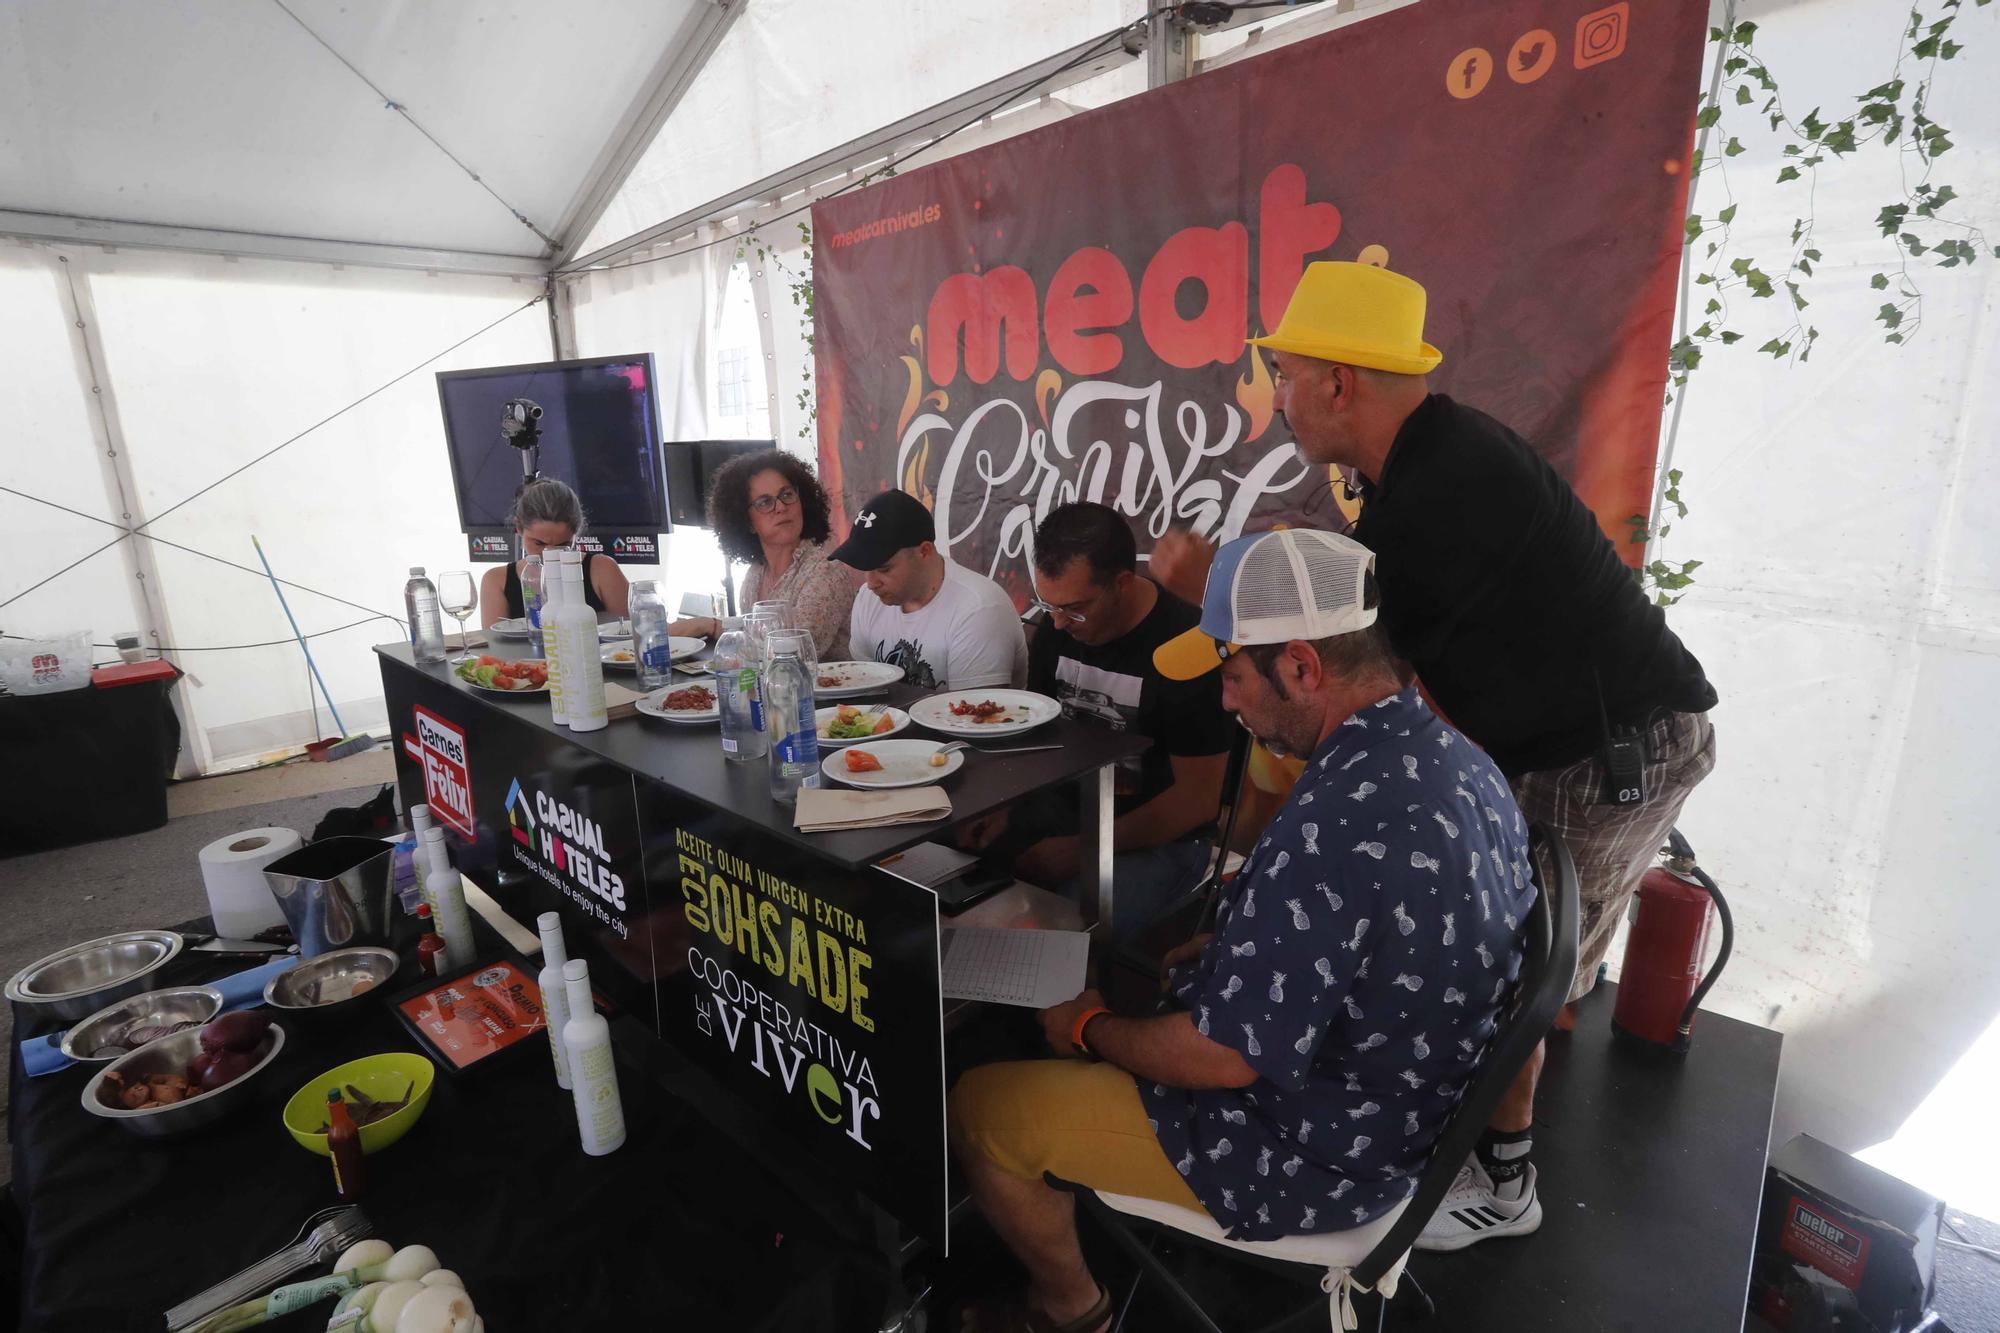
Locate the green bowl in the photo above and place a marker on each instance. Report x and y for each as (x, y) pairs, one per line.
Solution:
(383, 1077)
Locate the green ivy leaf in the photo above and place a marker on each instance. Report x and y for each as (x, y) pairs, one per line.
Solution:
(1730, 336)
(1692, 227)
(1889, 315)
(1776, 348)
(1734, 148)
(1746, 31)
(1743, 97)
(1788, 174)
(1879, 281)
(1912, 242)
(1890, 219)
(1812, 126)
(1708, 115)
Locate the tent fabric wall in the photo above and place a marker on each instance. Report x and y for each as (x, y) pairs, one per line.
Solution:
(792, 78)
(213, 361)
(1848, 609)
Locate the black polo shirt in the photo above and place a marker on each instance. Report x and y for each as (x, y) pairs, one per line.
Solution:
(1499, 587)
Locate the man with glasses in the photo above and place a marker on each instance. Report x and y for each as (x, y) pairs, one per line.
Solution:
(943, 625)
(1095, 656)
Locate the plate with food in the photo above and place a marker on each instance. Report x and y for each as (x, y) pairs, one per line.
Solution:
(840, 680)
(843, 724)
(683, 703)
(512, 627)
(614, 629)
(904, 763)
(618, 656)
(985, 712)
(528, 675)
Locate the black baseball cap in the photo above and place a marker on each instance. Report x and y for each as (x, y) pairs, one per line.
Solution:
(891, 522)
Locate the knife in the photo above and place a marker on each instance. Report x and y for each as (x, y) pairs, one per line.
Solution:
(222, 944)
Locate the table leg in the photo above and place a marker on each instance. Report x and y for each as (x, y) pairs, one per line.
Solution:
(1098, 792)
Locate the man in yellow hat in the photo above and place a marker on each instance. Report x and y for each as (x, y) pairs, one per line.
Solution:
(1522, 623)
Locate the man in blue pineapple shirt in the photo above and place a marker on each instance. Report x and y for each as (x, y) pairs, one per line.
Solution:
(1359, 961)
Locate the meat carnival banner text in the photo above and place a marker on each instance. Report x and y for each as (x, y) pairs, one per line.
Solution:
(1062, 315)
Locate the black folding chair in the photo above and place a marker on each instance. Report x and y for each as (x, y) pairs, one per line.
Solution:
(1371, 1259)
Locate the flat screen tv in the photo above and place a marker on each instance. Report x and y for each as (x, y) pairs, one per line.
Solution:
(599, 432)
(690, 464)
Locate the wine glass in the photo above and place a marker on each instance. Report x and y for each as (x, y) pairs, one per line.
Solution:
(457, 594)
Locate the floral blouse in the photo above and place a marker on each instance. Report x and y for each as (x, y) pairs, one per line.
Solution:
(821, 592)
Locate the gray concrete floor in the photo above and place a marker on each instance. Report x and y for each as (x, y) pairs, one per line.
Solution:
(52, 899)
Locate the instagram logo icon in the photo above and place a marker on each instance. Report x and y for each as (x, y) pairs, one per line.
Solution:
(1600, 35)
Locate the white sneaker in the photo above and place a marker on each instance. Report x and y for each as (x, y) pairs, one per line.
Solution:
(1473, 1211)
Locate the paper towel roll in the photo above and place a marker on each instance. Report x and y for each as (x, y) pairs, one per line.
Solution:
(232, 870)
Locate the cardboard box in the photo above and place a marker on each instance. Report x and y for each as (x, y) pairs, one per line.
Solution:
(1841, 1246)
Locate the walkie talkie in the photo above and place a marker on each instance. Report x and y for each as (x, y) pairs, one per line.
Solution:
(1624, 756)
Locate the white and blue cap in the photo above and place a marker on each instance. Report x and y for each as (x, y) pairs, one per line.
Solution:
(1295, 583)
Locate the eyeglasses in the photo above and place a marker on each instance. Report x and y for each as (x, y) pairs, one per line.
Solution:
(764, 504)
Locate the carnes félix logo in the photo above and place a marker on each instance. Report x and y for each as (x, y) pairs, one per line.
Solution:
(565, 841)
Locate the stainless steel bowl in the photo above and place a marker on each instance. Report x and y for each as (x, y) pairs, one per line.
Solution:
(113, 1025)
(172, 1055)
(331, 984)
(76, 982)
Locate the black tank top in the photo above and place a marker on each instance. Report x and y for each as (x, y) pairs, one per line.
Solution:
(513, 588)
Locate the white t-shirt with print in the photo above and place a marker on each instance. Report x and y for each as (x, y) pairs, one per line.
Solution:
(967, 636)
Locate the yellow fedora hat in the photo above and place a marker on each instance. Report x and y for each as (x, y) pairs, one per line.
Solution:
(1358, 315)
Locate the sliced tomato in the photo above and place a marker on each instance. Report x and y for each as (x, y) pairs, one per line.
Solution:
(487, 660)
(884, 723)
(860, 761)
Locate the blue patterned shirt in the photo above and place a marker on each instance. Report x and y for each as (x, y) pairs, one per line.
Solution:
(1358, 965)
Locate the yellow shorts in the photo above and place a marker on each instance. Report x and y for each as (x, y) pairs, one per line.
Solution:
(1077, 1118)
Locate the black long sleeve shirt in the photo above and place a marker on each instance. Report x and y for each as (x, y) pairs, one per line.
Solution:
(1499, 587)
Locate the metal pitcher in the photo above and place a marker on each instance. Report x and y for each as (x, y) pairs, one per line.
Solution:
(334, 893)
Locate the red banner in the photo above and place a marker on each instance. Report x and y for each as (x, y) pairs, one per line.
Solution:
(1062, 315)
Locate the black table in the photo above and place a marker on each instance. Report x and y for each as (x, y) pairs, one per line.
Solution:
(674, 1229)
(789, 967)
(93, 763)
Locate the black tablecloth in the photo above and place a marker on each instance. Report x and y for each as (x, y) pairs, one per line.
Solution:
(677, 1229)
(86, 764)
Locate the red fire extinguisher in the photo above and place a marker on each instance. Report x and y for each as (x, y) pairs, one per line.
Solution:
(1662, 983)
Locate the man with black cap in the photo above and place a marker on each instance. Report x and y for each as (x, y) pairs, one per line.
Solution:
(945, 626)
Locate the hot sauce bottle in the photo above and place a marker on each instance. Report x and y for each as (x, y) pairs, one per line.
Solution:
(343, 1146)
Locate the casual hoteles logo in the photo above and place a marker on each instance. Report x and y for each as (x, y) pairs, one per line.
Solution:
(564, 840)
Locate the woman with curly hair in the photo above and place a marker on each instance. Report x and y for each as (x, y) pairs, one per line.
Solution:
(769, 510)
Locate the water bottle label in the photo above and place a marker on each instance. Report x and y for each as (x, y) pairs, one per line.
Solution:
(729, 745)
(659, 657)
(746, 680)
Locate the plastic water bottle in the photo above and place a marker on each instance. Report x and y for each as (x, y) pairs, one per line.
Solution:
(739, 696)
(531, 602)
(788, 717)
(651, 653)
(420, 600)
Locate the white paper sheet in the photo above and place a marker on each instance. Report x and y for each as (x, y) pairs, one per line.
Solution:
(1032, 968)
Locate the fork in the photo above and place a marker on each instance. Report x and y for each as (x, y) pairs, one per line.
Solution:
(323, 1235)
(949, 746)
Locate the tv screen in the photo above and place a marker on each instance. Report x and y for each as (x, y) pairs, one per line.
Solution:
(600, 433)
(690, 464)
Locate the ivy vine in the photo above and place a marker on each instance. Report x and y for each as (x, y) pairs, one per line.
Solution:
(1915, 226)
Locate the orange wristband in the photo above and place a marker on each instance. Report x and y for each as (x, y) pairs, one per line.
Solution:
(1083, 1021)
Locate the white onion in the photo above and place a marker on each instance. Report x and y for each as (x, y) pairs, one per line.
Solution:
(410, 1263)
(437, 1310)
(442, 1277)
(389, 1304)
(362, 1254)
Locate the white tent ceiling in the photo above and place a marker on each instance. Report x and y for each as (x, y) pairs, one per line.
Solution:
(230, 116)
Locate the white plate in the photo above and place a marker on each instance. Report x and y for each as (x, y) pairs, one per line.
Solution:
(1025, 712)
(615, 629)
(650, 705)
(488, 689)
(855, 678)
(620, 657)
(905, 763)
(825, 719)
(512, 627)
